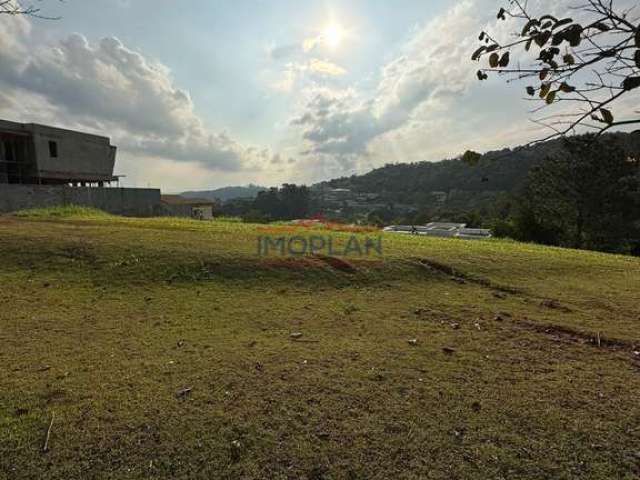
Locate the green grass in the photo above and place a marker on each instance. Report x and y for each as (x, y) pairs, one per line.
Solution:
(68, 211)
(103, 320)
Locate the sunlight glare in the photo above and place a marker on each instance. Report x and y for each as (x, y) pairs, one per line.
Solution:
(333, 35)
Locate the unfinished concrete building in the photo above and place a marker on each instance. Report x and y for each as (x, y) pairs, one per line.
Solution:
(43, 166)
(35, 154)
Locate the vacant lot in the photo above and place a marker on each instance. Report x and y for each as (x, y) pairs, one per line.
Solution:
(169, 349)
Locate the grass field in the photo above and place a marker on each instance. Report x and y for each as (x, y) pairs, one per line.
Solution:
(169, 349)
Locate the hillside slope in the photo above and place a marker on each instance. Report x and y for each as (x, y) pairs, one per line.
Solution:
(164, 349)
(498, 171)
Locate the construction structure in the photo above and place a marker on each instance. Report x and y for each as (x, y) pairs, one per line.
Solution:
(32, 154)
(42, 166)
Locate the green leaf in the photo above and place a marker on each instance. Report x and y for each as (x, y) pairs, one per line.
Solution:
(568, 59)
(573, 35)
(557, 39)
(607, 115)
(529, 25)
(477, 53)
(542, 38)
(566, 88)
(551, 97)
(504, 60)
(527, 46)
(548, 17)
(494, 60)
(544, 90)
(631, 83)
(562, 23)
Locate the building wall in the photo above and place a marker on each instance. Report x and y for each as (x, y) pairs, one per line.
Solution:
(176, 210)
(80, 155)
(205, 212)
(17, 154)
(134, 202)
(187, 211)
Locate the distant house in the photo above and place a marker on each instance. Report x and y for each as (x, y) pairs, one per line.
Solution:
(473, 233)
(441, 229)
(178, 206)
(338, 195)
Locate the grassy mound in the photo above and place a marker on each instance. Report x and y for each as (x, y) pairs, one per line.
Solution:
(167, 348)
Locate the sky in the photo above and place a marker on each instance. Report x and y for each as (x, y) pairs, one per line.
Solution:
(200, 94)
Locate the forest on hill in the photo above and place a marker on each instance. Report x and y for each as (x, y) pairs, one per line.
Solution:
(504, 170)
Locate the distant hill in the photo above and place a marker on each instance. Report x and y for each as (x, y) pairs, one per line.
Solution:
(497, 171)
(226, 193)
(413, 183)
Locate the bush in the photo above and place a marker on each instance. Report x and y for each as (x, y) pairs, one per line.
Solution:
(255, 216)
(503, 229)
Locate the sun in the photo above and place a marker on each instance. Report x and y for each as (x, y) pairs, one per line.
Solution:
(333, 35)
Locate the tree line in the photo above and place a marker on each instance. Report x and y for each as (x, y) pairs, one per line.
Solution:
(288, 202)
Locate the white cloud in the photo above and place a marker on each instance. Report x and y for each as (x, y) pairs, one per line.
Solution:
(324, 67)
(298, 64)
(117, 91)
(296, 75)
(433, 64)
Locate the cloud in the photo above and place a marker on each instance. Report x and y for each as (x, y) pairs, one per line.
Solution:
(310, 43)
(427, 103)
(294, 76)
(110, 88)
(295, 65)
(324, 67)
(434, 64)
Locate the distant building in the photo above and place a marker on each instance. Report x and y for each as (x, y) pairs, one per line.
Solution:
(441, 229)
(177, 206)
(337, 195)
(473, 233)
(32, 154)
(439, 197)
(367, 197)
